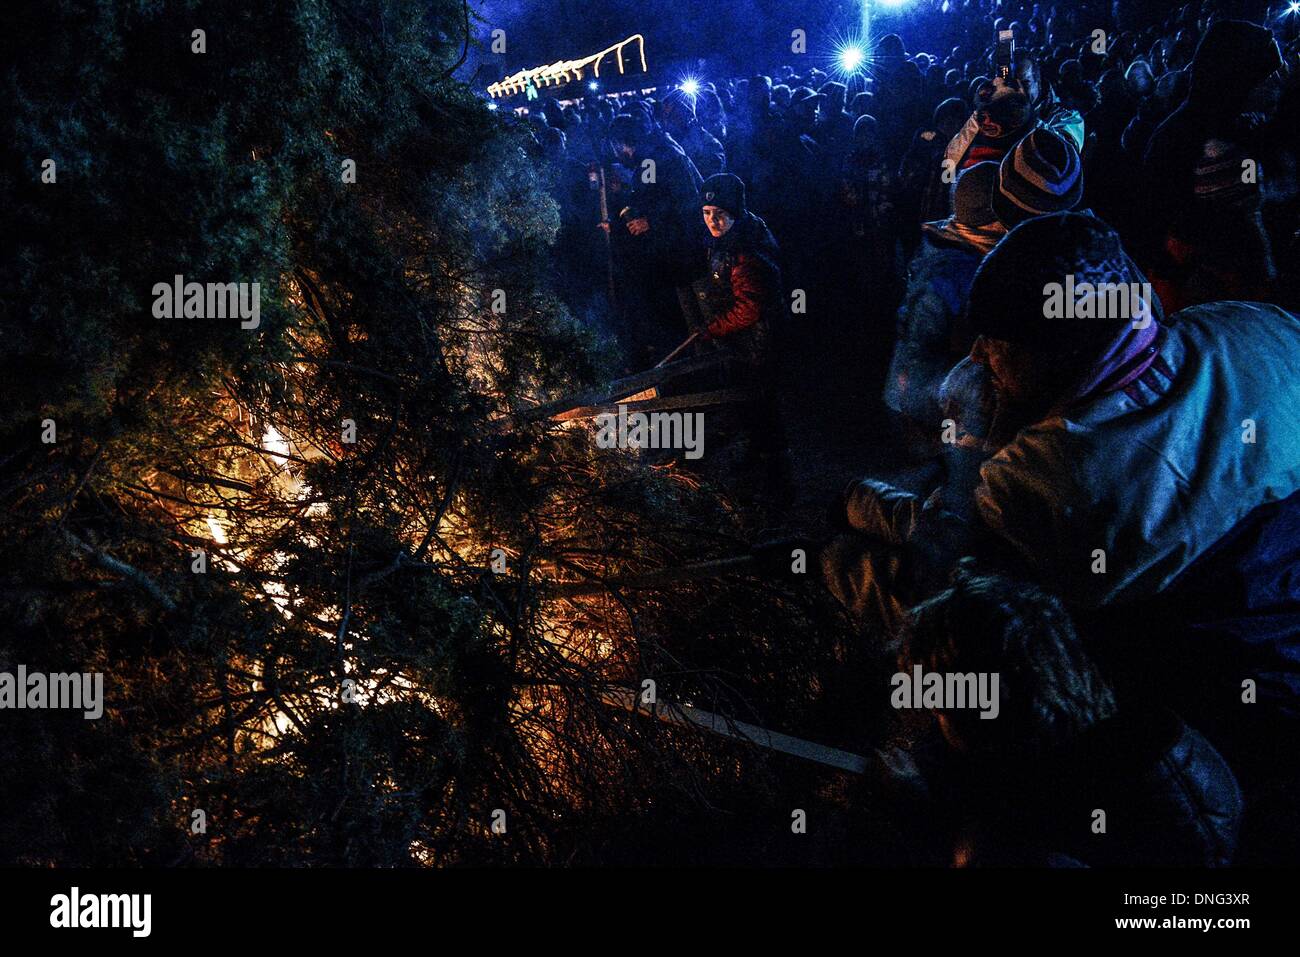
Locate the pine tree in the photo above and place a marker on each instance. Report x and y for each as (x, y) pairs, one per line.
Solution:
(352, 678)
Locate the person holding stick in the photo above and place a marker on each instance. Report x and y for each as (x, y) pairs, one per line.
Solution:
(742, 301)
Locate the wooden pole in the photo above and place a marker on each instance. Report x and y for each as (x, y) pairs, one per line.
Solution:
(609, 242)
(693, 400)
(690, 716)
(676, 352)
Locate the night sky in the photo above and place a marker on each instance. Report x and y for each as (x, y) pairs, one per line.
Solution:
(541, 31)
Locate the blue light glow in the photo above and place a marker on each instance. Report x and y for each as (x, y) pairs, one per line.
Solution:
(690, 86)
(851, 58)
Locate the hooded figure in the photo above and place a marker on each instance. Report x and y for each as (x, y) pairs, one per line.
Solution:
(900, 104)
(678, 117)
(1213, 245)
(1170, 90)
(1138, 80)
(834, 129)
(750, 127)
(767, 154)
(661, 211)
(658, 234)
(924, 192)
(1109, 172)
(711, 114)
(939, 278)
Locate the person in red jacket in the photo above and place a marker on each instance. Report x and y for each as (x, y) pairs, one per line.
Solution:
(743, 299)
(744, 279)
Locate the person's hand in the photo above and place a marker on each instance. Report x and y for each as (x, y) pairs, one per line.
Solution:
(603, 225)
(638, 226)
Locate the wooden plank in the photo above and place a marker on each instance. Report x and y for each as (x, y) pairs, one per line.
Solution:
(693, 400)
(691, 716)
(621, 388)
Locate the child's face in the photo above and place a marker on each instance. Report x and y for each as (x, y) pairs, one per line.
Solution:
(718, 220)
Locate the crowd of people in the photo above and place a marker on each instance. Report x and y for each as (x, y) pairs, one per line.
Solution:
(1108, 513)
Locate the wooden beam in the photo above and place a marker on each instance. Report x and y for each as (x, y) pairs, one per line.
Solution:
(690, 716)
(621, 388)
(694, 400)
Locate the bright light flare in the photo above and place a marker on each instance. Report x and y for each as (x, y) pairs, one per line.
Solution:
(851, 58)
(690, 86)
(593, 86)
(276, 444)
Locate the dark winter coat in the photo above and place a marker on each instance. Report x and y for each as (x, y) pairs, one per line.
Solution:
(703, 148)
(1168, 799)
(1194, 169)
(744, 289)
(669, 201)
(939, 279)
(1233, 616)
(1233, 58)
(920, 176)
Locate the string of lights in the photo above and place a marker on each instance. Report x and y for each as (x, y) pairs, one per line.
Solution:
(565, 71)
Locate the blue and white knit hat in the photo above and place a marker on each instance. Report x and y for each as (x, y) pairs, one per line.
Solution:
(1041, 175)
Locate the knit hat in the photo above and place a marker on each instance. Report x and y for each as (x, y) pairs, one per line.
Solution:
(1010, 292)
(725, 190)
(1217, 182)
(972, 222)
(972, 195)
(1041, 175)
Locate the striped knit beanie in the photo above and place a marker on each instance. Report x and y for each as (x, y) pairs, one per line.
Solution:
(1041, 175)
(1217, 180)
